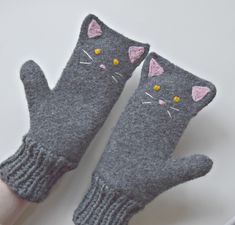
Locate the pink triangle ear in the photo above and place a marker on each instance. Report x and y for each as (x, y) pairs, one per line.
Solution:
(154, 68)
(94, 29)
(199, 92)
(135, 53)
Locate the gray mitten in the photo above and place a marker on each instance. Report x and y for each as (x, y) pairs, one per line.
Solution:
(64, 120)
(137, 164)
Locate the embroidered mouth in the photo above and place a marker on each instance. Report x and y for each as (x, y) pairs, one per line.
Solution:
(162, 103)
(115, 77)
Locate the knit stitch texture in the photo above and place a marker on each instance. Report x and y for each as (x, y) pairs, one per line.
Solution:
(64, 120)
(138, 161)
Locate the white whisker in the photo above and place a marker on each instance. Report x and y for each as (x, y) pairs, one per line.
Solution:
(87, 54)
(149, 94)
(146, 102)
(175, 109)
(86, 63)
(115, 79)
(169, 114)
(119, 74)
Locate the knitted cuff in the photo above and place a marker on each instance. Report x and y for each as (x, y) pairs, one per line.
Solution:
(104, 206)
(32, 171)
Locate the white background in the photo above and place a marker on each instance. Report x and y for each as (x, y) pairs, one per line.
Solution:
(197, 35)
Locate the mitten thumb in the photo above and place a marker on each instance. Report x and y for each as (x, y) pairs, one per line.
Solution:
(187, 168)
(35, 83)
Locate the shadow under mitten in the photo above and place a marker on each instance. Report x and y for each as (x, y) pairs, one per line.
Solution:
(64, 120)
(137, 164)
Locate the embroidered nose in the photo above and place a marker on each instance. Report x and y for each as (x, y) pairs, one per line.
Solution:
(161, 102)
(102, 66)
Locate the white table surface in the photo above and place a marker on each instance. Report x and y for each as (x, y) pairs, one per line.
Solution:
(197, 35)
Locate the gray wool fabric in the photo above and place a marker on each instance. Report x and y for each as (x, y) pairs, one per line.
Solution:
(138, 164)
(64, 120)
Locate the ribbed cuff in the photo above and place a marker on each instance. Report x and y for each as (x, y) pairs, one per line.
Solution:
(32, 171)
(104, 206)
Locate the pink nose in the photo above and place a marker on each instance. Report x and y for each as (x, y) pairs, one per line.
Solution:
(161, 102)
(102, 66)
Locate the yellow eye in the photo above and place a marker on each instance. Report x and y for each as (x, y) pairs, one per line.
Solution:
(156, 87)
(98, 51)
(115, 62)
(177, 99)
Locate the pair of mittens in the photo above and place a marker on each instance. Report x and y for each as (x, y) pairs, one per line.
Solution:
(64, 120)
(138, 164)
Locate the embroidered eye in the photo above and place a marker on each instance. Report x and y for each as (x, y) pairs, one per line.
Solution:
(98, 51)
(156, 87)
(115, 62)
(177, 99)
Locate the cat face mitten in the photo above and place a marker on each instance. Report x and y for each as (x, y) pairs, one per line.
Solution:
(137, 164)
(64, 120)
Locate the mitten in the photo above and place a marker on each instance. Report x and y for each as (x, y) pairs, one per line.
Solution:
(64, 120)
(138, 164)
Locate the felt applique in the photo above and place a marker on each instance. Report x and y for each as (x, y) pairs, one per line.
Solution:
(94, 29)
(198, 93)
(154, 68)
(135, 53)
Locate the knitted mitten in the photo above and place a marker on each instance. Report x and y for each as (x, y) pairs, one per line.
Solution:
(64, 120)
(137, 164)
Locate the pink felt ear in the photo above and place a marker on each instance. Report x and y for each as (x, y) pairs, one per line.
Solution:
(154, 68)
(135, 53)
(94, 29)
(198, 93)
